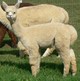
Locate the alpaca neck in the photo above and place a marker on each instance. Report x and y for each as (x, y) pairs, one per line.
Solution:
(17, 28)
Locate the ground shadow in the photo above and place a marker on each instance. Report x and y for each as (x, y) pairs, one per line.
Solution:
(8, 43)
(11, 52)
(53, 66)
(26, 66)
(23, 66)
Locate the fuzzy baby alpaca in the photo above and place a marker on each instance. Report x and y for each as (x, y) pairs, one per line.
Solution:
(54, 38)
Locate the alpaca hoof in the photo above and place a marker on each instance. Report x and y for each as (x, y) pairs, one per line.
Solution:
(64, 75)
(34, 75)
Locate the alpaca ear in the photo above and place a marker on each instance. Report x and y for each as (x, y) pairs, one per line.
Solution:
(17, 5)
(4, 5)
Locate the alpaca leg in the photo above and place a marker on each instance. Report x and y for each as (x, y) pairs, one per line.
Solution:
(34, 55)
(22, 50)
(23, 53)
(66, 60)
(13, 38)
(65, 55)
(2, 32)
(62, 45)
(34, 60)
(48, 52)
(73, 62)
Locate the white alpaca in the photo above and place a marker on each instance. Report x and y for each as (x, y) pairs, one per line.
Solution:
(48, 35)
(44, 13)
(35, 37)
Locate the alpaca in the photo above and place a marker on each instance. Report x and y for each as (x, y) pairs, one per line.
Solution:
(31, 19)
(56, 37)
(4, 30)
(54, 13)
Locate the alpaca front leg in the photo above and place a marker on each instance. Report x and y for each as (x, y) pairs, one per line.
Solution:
(22, 49)
(73, 62)
(34, 60)
(35, 68)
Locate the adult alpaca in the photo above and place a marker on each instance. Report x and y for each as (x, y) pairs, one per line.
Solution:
(56, 37)
(4, 30)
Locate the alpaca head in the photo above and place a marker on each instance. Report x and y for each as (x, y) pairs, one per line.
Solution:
(10, 10)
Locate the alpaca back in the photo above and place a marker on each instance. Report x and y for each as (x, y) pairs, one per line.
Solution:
(44, 13)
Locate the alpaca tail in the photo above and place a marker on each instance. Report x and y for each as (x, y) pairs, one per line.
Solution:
(73, 34)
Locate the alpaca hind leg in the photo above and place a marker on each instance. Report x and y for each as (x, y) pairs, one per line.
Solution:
(73, 62)
(66, 61)
(62, 45)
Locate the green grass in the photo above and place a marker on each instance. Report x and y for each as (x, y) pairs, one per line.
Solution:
(13, 68)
